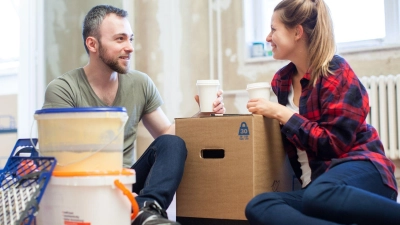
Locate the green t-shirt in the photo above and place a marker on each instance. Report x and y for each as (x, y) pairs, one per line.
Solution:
(136, 92)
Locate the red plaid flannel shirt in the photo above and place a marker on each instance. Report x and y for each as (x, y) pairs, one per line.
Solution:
(331, 125)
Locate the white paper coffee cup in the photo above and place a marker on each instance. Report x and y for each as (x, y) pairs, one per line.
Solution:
(207, 90)
(259, 90)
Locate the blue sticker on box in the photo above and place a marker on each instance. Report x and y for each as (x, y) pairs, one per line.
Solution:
(244, 131)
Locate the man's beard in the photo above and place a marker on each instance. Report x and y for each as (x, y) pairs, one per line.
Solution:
(112, 63)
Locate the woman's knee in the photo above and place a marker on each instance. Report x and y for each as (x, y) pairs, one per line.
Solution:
(259, 204)
(250, 207)
(317, 197)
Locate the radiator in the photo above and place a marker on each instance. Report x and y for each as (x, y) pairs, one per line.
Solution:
(384, 100)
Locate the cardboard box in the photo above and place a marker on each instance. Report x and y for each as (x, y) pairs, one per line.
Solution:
(230, 160)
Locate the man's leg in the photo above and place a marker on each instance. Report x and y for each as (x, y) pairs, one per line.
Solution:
(159, 170)
(158, 173)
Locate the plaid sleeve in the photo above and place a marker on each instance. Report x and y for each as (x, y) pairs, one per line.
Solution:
(331, 113)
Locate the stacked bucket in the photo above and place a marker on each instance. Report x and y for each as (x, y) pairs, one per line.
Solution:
(89, 185)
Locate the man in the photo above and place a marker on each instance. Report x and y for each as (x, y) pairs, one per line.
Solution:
(107, 81)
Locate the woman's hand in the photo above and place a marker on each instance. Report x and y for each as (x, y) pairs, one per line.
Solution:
(269, 109)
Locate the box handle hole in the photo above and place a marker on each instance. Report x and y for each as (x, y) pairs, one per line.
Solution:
(212, 153)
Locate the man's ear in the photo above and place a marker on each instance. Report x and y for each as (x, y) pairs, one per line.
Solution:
(298, 32)
(92, 44)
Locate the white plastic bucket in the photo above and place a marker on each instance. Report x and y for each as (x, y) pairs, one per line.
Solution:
(82, 139)
(79, 199)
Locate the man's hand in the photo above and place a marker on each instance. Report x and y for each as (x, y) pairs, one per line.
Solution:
(219, 107)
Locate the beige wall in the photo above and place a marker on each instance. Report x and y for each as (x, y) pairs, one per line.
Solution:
(174, 44)
(378, 62)
(193, 62)
(192, 35)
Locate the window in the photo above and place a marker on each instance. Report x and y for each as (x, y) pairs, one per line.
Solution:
(9, 24)
(358, 24)
(353, 24)
(9, 45)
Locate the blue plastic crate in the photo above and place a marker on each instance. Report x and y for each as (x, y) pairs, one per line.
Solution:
(23, 182)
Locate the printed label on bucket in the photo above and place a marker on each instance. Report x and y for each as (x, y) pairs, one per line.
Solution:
(71, 219)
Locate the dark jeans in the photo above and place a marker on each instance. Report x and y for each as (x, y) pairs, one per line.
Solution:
(349, 193)
(159, 170)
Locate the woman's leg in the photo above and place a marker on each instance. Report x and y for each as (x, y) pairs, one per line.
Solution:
(349, 193)
(280, 208)
(159, 170)
(352, 192)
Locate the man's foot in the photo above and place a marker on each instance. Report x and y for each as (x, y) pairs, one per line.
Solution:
(152, 214)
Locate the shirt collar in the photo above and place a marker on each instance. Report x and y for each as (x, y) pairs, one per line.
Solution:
(287, 72)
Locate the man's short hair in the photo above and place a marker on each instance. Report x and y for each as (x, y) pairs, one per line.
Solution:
(95, 17)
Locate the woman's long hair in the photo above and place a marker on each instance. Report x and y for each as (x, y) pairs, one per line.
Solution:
(316, 20)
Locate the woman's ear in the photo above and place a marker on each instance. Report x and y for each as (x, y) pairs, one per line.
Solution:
(298, 32)
(91, 44)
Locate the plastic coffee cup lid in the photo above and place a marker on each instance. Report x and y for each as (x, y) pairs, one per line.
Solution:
(258, 85)
(207, 82)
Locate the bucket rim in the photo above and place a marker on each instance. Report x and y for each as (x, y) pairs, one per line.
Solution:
(124, 171)
(80, 110)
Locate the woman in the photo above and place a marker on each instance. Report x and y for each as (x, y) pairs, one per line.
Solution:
(338, 158)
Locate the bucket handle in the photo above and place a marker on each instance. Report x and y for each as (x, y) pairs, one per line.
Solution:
(125, 191)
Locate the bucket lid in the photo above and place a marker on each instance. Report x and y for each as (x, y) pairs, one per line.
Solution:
(81, 109)
(259, 85)
(207, 82)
